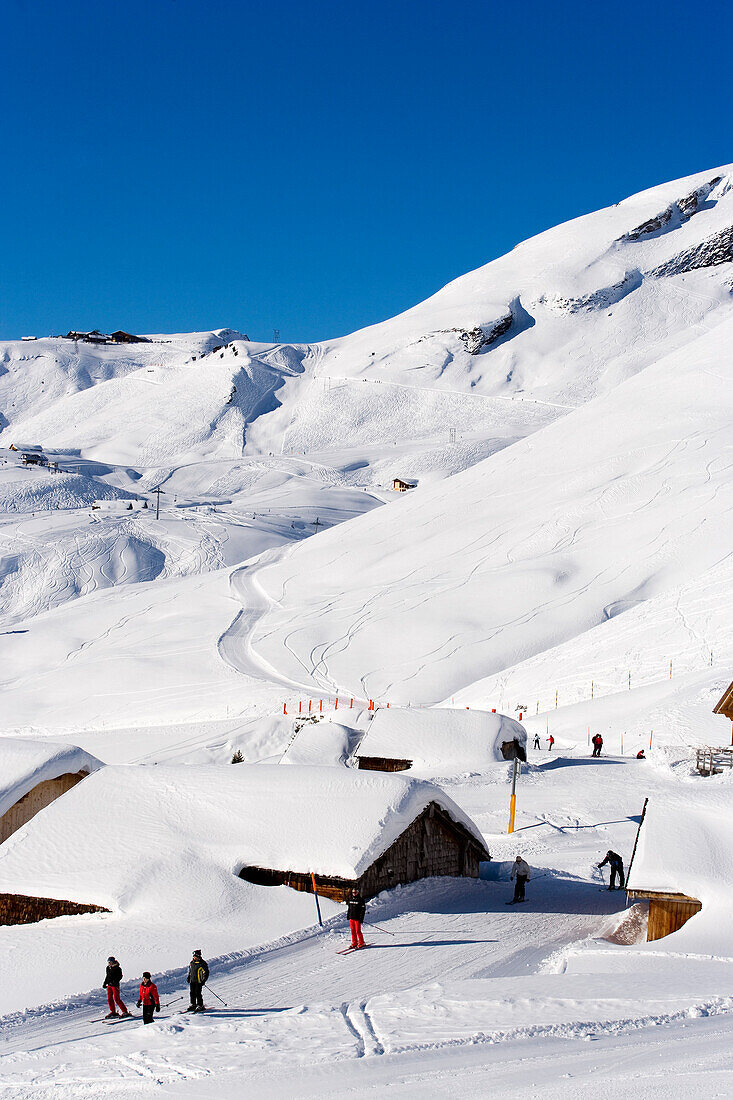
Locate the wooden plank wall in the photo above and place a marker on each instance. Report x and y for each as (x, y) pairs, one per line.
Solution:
(667, 915)
(21, 909)
(41, 795)
(383, 764)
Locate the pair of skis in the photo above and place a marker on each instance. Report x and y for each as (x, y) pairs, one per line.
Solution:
(348, 950)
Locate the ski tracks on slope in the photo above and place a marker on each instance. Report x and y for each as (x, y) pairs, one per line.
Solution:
(235, 644)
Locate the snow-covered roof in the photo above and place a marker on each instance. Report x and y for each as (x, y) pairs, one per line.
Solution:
(440, 740)
(131, 835)
(686, 847)
(24, 764)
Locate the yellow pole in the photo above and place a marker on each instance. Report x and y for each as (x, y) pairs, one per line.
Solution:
(513, 799)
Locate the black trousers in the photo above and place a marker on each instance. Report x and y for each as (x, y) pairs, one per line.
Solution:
(617, 871)
(519, 887)
(197, 1000)
(148, 1013)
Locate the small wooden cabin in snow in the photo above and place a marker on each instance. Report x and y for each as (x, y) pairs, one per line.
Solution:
(674, 843)
(35, 773)
(402, 484)
(368, 831)
(439, 741)
(222, 831)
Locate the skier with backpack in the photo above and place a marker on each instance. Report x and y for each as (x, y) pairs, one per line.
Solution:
(148, 998)
(356, 908)
(198, 975)
(597, 741)
(112, 980)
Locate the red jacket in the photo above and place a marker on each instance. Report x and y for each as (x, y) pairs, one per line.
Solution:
(149, 994)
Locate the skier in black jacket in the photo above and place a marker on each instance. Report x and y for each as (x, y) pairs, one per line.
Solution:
(617, 868)
(111, 983)
(198, 975)
(356, 908)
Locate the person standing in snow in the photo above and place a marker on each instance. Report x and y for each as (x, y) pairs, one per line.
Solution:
(197, 977)
(536, 744)
(356, 908)
(148, 998)
(597, 744)
(521, 873)
(550, 743)
(112, 980)
(617, 868)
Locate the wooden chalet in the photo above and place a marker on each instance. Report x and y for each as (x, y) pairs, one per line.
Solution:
(121, 337)
(433, 844)
(402, 484)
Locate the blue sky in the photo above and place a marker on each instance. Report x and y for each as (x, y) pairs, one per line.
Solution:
(174, 165)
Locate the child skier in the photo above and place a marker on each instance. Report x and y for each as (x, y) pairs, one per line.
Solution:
(355, 912)
(148, 998)
(111, 983)
(198, 975)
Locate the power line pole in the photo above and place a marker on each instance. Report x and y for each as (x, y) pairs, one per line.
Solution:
(157, 491)
(276, 336)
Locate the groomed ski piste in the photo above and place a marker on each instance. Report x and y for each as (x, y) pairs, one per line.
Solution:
(565, 555)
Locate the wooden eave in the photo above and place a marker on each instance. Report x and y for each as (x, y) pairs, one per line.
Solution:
(725, 704)
(660, 895)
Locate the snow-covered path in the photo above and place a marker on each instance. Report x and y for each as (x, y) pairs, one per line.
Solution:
(453, 968)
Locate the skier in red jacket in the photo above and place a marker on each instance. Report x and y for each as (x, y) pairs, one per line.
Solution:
(148, 998)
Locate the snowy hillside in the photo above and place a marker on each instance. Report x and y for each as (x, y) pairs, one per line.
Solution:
(204, 563)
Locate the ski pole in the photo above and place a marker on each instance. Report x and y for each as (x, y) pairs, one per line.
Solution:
(380, 929)
(216, 995)
(168, 1003)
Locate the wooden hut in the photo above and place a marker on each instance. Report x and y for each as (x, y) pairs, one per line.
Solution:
(672, 845)
(33, 774)
(402, 484)
(121, 337)
(439, 740)
(433, 844)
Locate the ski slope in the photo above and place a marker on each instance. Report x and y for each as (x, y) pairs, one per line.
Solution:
(565, 412)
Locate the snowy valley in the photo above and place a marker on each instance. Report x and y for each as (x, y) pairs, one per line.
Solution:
(203, 554)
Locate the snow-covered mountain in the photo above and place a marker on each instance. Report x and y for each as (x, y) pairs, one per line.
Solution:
(576, 388)
(565, 411)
